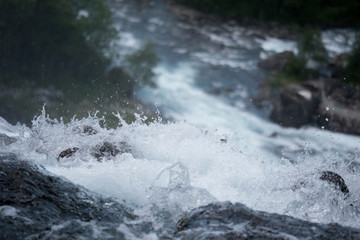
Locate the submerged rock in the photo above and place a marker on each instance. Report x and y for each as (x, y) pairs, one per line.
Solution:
(89, 130)
(85, 130)
(6, 140)
(67, 153)
(336, 180)
(106, 150)
(34, 204)
(236, 221)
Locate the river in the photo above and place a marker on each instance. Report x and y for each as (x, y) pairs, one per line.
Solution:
(216, 146)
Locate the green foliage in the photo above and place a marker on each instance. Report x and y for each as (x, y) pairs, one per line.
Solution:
(121, 80)
(139, 71)
(140, 65)
(311, 47)
(294, 71)
(329, 13)
(352, 71)
(49, 42)
(296, 67)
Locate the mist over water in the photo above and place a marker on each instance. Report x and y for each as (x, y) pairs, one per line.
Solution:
(214, 148)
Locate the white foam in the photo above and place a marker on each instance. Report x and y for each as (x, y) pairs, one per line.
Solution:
(8, 211)
(243, 168)
(277, 45)
(128, 40)
(223, 59)
(338, 41)
(8, 129)
(83, 13)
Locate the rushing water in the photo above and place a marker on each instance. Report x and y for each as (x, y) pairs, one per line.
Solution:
(217, 148)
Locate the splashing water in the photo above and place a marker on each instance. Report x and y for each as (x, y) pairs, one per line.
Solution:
(213, 152)
(175, 167)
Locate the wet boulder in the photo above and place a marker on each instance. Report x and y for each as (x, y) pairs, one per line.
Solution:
(6, 140)
(296, 105)
(324, 103)
(85, 130)
(67, 153)
(89, 130)
(225, 220)
(339, 109)
(276, 62)
(107, 150)
(336, 180)
(34, 204)
(338, 64)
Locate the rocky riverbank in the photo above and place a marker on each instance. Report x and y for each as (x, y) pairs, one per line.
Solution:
(323, 102)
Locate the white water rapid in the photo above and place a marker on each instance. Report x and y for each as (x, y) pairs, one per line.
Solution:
(214, 149)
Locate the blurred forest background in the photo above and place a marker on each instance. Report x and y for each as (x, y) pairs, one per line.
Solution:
(59, 52)
(307, 18)
(330, 13)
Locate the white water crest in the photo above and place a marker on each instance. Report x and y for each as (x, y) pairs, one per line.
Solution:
(174, 167)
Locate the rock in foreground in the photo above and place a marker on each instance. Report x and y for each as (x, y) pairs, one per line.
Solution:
(34, 204)
(236, 221)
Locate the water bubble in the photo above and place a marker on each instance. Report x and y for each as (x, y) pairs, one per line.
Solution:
(177, 176)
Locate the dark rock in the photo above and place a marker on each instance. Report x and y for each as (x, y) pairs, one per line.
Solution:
(218, 91)
(85, 130)
(6, 140)
(338, 64)
(35, 204)
(274, 135)
(89, 130)
(107, 150)
(325, 103)
(67, 153)
(336, 180)
(258, 34)
(236, 221)
(339, 109)
(296, 105)
(276, 62)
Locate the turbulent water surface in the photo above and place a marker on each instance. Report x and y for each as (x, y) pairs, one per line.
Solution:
(216, 148)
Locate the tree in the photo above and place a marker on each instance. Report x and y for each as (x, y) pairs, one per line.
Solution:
(352, 71)
(46, 41)
(141, 63)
